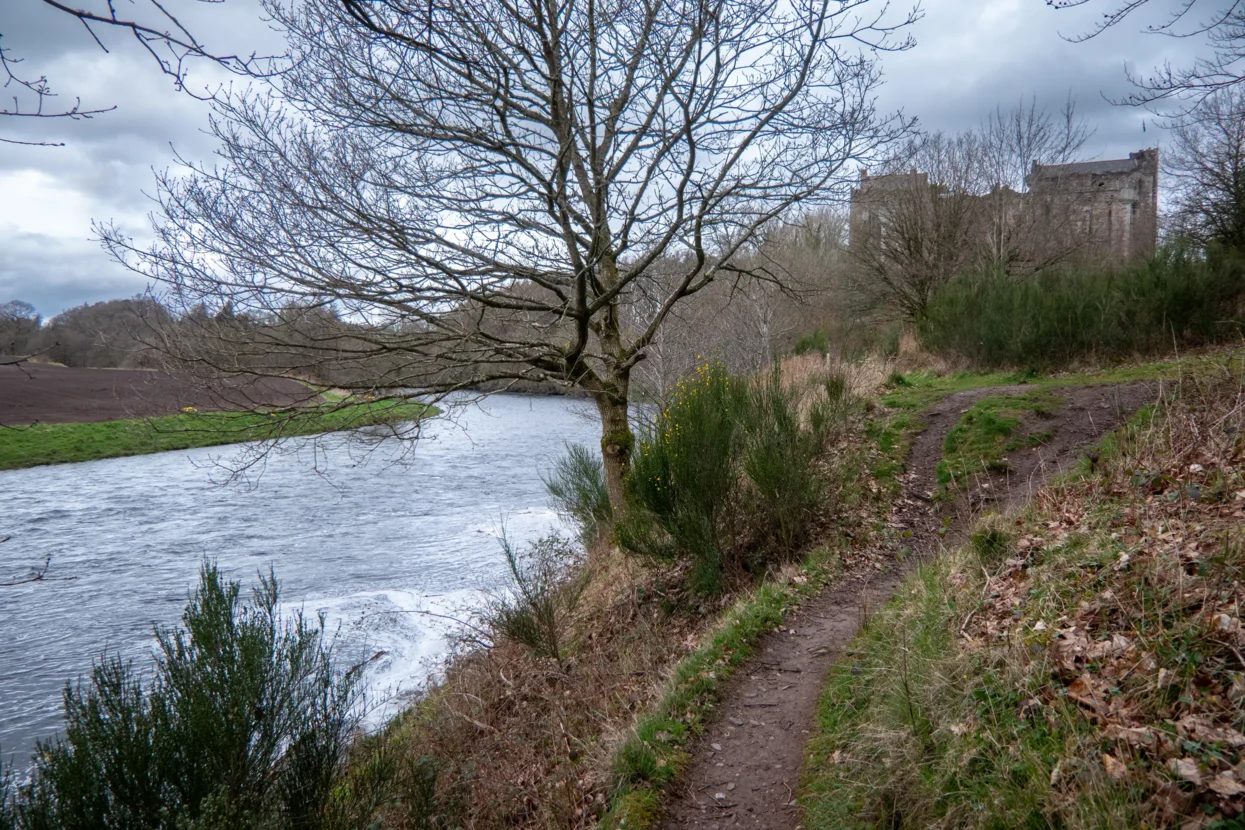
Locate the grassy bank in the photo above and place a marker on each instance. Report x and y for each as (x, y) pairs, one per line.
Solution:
(575, 700)
(30, 446)
(1075, 666)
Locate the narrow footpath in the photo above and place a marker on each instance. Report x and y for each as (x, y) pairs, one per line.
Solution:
(746, 767)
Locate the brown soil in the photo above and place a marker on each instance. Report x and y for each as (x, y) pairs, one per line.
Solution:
(746, 767)
(37, 393)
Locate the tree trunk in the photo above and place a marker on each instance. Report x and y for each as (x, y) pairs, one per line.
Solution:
(617, 440)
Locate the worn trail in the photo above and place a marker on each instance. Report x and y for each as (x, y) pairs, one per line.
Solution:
(746, 767)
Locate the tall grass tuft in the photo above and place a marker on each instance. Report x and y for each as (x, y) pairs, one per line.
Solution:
(577, 486)
(244, 724)
(1056, 317)
(544, 590)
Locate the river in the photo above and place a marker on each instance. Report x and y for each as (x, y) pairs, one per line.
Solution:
(365, 534)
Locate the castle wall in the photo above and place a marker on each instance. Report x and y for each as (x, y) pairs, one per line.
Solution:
(1100, 211)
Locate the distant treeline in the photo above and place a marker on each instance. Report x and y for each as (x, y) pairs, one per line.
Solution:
(106, 334)
(743, 324)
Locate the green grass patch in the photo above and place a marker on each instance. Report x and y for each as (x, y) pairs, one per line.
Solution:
(917, 391)
(64, 443)
(979, 443)
(911, 732)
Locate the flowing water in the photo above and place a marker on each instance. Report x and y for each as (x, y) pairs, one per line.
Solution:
(369, 535)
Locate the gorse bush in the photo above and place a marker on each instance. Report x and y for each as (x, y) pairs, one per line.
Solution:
(780, 454)
(683, 475)
(815, 341)
(244, 723)
(726, 477)
(1055, 317)
(577, 485)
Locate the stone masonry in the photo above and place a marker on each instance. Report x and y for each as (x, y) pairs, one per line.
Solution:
(1101, 211)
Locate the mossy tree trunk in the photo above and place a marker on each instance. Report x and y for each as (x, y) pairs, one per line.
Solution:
(617, 440)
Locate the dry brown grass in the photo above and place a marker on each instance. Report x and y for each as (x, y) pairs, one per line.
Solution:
(520, 742)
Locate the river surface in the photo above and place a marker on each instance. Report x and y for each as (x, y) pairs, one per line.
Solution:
(367, 534)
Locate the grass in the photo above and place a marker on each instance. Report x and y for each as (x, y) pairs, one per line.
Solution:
(917, 391)
(65, 443)
(1075, 666)
(908, 394)
(979, 443)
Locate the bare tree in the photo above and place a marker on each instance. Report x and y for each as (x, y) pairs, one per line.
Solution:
(491, 181)
(1205, 163)
(1220, 22)
(158, 32)
(1012, 140)
(19, 323)
(1019, 233)
(950, 203)
(914, 227)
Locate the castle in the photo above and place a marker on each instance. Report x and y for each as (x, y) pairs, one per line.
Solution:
(1091, 211)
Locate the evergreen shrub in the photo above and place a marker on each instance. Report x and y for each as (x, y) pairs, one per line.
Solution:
(1058, 316)
(244, 723)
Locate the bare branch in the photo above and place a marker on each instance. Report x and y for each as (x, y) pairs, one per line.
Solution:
(491, 185)
(161, 35)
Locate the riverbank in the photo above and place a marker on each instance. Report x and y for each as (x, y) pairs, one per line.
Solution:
(662, 691)
(660, 700)
(38, 444)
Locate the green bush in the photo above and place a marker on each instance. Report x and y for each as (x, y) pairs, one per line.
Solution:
(244, 723)
(727, 475)
(780, 456)
(683, 474)
(815, 341)
(1055, 317)
(577, 485)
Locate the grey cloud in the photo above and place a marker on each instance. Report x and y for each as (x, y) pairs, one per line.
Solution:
(961, 69)
(53, 276)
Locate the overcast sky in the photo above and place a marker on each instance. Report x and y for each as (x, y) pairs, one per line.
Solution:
(971, 55)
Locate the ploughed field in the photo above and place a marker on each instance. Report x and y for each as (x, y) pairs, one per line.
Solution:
(36, 393)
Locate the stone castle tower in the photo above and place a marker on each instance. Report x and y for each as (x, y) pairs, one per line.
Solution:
(1114, 203)
(1104, 212)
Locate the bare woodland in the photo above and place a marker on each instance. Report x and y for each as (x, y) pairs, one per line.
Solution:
(516, 193)
(953, 203)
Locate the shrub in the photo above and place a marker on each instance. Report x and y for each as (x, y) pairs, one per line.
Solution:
(1058, 316)
(577, 485)
(727, 470)
(544, 589)
(815, 341)
(8, 814)
(244, 724)
(780, 456)
(683, 474)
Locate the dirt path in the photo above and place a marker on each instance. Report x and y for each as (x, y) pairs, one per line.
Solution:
(746, 767)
